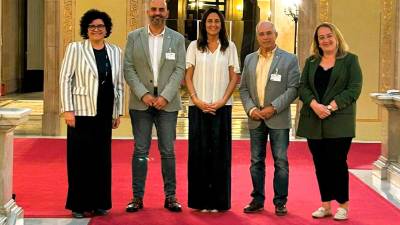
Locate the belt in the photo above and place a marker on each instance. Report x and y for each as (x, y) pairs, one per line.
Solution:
(155, 91)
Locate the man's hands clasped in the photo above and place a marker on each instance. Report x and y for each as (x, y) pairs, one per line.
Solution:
(158, 102)
(263, 114)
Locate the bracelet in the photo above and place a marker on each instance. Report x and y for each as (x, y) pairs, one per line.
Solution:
(193, 95)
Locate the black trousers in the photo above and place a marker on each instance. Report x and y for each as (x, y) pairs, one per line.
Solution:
(330, 161)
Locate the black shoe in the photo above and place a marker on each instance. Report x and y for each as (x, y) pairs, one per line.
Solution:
(253, 207)
(100, 212)
(78, 215)
(281, 210)
(135, 205)
(172, 204)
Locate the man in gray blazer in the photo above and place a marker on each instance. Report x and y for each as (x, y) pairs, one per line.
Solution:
(269, 84)
(154, 67)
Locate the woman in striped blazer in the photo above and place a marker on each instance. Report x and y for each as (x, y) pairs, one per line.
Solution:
(91, 90)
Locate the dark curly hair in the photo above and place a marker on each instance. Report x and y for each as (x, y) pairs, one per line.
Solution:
(91, 15)
(223, 36)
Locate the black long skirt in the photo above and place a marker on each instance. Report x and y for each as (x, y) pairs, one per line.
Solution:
(209, 164)
(89, 164)
(89, 156)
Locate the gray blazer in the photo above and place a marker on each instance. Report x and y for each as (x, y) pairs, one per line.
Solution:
(139, 74)
(79, 79)
(279, 94)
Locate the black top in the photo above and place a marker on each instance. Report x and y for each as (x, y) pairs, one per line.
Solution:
(103, 64)
(105, 94)
(321, 80)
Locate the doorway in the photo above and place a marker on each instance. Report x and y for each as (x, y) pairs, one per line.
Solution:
(22, 48)
(34, 47)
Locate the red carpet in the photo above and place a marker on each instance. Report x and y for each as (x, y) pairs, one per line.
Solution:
(40, 184)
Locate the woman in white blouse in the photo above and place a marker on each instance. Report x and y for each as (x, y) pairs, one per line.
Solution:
(212, 66)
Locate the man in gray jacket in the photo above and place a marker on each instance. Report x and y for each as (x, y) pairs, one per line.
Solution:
(154, 67)
(269, 84)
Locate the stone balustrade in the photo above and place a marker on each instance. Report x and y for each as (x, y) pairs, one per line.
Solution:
(388, 165)
(10, 213)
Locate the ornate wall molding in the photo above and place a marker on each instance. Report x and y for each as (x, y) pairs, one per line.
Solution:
(68, 9)
(134, 15)
(325, 14)
(388, 40)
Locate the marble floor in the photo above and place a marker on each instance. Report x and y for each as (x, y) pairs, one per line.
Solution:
(34, 125)
(239, 131)
(51, 221)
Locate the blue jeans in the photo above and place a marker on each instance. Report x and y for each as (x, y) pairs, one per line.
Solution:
(279, 139)
(142, 124)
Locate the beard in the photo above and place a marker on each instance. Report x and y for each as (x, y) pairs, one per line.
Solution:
(157, 20)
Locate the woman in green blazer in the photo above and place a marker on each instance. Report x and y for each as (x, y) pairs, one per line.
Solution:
(329, 88)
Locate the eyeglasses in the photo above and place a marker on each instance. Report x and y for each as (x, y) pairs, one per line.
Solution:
(328, 36)
(98, 27)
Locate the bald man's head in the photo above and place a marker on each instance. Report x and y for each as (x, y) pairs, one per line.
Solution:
(266, 35)
(266, 23)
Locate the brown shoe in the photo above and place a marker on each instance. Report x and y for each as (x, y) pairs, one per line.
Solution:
(172, 204)
(135, 205)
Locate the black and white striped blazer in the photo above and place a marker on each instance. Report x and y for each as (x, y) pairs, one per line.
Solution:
(79, 79)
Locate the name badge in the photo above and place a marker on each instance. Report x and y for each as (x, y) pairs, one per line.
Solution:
(170, 56)
(276, 77)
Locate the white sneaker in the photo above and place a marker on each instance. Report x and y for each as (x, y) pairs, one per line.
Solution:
(214, 210)
(341, 214)
(321, 212)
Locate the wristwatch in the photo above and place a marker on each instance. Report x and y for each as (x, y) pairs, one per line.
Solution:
(275, 111)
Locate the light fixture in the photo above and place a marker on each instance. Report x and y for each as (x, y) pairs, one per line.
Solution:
(201, 4)
(292, 10)
(292, 3)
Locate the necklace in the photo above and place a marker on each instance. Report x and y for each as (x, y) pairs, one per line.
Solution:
(105, 77)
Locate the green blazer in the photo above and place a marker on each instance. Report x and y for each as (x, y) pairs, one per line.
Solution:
(344, 87)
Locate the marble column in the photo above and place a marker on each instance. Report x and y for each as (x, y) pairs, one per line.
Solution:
(1, 46)
(308, 20)
(50, 119)
(10, 212)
